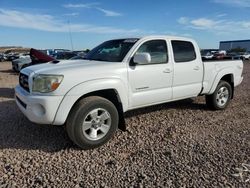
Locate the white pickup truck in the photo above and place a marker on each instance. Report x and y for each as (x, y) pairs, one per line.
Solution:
(90, 96)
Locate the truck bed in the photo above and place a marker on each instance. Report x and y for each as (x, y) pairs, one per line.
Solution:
(214, 68)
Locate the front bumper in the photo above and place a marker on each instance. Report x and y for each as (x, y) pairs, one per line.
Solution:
(38, 109)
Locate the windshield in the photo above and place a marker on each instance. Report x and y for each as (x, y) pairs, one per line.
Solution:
(112, 51)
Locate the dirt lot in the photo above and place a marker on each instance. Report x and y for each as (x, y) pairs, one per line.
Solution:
(181, 144)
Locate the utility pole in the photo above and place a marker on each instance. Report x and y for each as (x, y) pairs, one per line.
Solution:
(70, 36)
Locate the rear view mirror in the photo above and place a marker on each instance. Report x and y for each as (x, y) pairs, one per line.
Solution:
(142, 58)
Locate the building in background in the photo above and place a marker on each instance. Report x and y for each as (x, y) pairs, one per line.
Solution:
(229, 45)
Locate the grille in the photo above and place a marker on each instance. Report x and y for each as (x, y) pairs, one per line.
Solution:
(23, 81)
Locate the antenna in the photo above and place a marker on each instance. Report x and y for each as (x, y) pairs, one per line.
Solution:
(70, 36)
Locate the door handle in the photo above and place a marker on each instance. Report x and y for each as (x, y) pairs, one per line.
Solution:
(196, 68)
(167, 71)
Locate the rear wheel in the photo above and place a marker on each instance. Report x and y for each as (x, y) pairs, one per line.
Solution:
(92, 122)
(221, 96)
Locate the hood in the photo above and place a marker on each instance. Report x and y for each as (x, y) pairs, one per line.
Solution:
(78, 71)
(67, 66)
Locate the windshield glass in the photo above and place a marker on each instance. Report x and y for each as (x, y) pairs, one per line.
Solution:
(112, 51)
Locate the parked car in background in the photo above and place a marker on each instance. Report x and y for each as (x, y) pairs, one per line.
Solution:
(208, 53)
(20, 63)
(11, 56)
(80, 53)
(65, 55)
(49, 52)
(34, 57)
(77, 57)
(246, 56)
(233, 55)
(38, 57)
(2, 57)
(220, 55)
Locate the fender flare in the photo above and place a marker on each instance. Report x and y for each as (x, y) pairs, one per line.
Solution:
(78, 91)
(219, 76)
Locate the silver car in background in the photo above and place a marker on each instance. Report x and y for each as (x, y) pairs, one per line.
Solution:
(21, 62)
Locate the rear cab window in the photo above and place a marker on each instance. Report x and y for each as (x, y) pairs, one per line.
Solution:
(184, 51)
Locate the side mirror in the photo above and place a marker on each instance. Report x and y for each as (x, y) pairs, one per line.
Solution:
(142, 58)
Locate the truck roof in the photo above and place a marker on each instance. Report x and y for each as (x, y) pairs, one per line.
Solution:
(156, 36)
(165, 36)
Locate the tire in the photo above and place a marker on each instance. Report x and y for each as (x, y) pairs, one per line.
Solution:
(221, 97)
(92, 122)
(15, 68)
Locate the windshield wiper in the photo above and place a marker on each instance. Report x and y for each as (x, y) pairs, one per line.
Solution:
(97, 59)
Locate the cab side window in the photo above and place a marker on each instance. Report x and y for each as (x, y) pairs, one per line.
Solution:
(183, 51)
(157, 50)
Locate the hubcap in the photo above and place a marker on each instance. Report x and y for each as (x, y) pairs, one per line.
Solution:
(222, 96)
(96, 124)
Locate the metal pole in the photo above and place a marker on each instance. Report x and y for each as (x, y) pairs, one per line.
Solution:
(70, 36)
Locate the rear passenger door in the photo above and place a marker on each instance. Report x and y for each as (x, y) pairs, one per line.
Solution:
(188, 70)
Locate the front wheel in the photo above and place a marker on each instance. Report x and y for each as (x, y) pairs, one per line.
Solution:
(92, 122)
(221, 96)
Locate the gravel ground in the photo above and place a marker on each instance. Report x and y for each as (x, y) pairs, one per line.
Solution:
(180, 144)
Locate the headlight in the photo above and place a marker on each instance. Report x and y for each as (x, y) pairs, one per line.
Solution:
(46, 83)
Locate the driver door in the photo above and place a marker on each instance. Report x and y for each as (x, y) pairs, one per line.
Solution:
(151, 83)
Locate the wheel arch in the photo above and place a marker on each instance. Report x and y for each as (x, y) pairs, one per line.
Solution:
(114, 91)
(113, 96)
(225, 75)
(230, 79)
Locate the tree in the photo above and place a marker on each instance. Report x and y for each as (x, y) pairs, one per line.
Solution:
(238, 49)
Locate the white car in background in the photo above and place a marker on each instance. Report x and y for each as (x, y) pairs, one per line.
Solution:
(208, 54)
(20, 63)
(246, 55)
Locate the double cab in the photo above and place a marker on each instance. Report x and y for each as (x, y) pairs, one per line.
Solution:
(89, 96)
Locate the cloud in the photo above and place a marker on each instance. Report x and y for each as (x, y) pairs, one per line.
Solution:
(183, 20)
(238, 3)
(174, 33)
(217, 26)
(95, 6)
(204, 23)
(86, 5)
(186, 35)
(200, 23)
(17, 19)
(221, 15)
(109, 12)
(246, 24)
(73, 14)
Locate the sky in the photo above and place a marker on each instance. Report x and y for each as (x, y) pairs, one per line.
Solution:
(53, 23)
